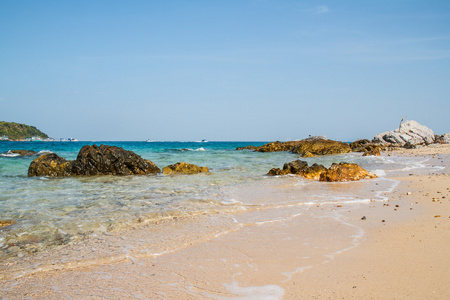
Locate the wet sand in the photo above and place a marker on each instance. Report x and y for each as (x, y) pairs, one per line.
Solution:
(396, 249)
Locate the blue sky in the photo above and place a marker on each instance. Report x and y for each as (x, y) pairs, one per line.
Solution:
(224, 70)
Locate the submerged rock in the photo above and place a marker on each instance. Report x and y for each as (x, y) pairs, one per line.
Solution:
(4, 223)
(184, 168)
(409, 134)
(24, 152)
(337, 172)
(93, 160)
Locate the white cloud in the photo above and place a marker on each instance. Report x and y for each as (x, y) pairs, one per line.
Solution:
(318, 10)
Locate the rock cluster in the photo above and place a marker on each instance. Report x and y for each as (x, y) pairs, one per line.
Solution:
(409, 134)
(336, 172)
(307, 148)
(93, 160)
(184, 168)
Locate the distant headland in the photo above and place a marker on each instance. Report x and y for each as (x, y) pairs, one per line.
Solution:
(19, 132)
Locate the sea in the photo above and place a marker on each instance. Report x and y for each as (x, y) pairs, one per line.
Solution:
(54, 217)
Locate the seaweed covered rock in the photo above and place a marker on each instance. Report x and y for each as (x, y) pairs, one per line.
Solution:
(50, 165)
(321, 147)
(337, 172)
(93, 160)
(184, 168)
(345, 172)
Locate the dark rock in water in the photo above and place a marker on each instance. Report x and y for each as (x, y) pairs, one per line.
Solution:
(345, 172)
(337, 172)
(184, 168)
(50, 165)
(111, 160)
(93, 160)
(321, 147)
(24, 152)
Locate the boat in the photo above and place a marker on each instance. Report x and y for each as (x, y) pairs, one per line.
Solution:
(73, 140)
(204, 141)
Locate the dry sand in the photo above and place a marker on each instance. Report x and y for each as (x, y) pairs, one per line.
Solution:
(400, 250)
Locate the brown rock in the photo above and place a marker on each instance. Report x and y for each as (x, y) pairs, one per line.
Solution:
(50, 165)
(313, 172)
(359, 144)
(184, 168)
(321, 147)
(373, 152)
(308, 154)
(345, 172)
(299, 167)
(247, 148)
(4, 223)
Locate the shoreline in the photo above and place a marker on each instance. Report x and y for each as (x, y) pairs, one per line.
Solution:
(364, 259)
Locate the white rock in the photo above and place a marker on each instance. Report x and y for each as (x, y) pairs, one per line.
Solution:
(410, 132)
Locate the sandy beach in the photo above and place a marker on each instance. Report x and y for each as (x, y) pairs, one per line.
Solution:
(394, 249)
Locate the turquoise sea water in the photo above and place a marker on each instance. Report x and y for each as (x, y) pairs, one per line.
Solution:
(53, 212)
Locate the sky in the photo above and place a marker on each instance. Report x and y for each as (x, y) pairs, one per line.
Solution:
(231, 70)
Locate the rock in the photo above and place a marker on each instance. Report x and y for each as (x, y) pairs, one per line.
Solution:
(315, 145)
(308, 154)
(93, 160)
(313, 172)
(359, 144)
(442, 139)
(50, 165)
(4, 223)
(321, 147)
(411, 133)
(277, 146)
(374, 152)
(111, 160)
(24, 152)
(337, 172)
(184, 168)
(316, 137)
(247, 148)
(345, 172)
